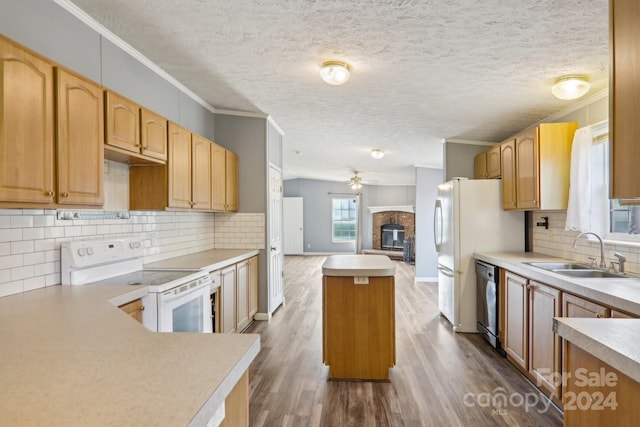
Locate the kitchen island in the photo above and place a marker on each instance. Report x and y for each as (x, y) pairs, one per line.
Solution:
(358, 316)
(69, 356)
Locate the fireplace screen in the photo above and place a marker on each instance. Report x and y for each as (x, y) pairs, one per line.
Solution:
(392, 237)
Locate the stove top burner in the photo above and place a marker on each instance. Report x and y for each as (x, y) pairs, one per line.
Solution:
(147, 277)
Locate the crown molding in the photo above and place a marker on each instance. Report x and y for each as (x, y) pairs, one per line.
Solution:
(113, 38)
(603, 93)
(468, 141)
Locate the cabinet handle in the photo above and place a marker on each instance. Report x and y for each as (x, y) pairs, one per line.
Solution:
(65, 194)
(141, 308)
(598, 315)
(50, 193)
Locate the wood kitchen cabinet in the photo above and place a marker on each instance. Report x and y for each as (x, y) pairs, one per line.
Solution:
(537, 167)
(624, 104)
(224, 188)
(253, 286)
(228, 306)
(26, 126)
(242, 295)
(179, 167)
(487, 164)
(80, 136)
(134, 134)
(529, 340)
(200, 173)
(574, 306)
(133, 309)
(545, 351)
(516, 320)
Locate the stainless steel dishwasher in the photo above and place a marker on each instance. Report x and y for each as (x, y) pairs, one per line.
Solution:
(488, 303)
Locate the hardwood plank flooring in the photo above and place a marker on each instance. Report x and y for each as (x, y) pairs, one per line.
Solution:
(440, 379)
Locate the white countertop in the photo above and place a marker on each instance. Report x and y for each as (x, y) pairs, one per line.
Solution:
(69, 356)
(210, 260)
(614, 341)
(358, 265)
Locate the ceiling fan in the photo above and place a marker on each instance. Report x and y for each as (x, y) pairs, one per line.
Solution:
(356, 181)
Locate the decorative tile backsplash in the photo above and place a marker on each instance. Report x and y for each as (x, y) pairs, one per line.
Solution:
(557, 242)
(30, 239)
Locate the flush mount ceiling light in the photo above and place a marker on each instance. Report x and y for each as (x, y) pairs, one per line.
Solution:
(571, 87)
(335, 72)
(377, 153)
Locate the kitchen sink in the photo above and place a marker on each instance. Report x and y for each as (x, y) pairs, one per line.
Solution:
(590, 273)
(559, 265)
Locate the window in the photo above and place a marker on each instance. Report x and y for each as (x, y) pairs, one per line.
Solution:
(344, 220)
(623, 219)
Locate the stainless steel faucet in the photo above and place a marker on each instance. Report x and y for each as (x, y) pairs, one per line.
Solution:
(621, 260)
(602, 263)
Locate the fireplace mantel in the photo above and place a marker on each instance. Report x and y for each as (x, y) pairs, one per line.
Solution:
(376, 209)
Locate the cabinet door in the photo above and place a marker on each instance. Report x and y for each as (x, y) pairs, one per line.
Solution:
(179, 164)
(480, 166)
(621, 315)
(493, 162)
(228, 289)
(218, 178)
(26, 126)
(573, 306)
(200, 172)
(242, 294)
(253, 286)
(544, 344)
(123, 123)
(527, 175)
(153, 134)
(516, 320)
(133, 309)
(508, 168)
(80, 140)
(624, 105)
(231, 191)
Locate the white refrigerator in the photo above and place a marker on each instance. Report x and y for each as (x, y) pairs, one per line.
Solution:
(469, 218)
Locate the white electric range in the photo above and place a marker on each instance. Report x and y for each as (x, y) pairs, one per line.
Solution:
(178, 299)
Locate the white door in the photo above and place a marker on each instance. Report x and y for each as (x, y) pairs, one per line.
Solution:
(292, 212)
(274, 251)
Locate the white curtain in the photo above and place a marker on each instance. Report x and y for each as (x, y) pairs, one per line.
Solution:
(588, 193)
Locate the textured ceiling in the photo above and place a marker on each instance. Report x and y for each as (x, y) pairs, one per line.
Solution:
(422, 70)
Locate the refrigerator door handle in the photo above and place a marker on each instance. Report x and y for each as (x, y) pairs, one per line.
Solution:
(437, 225)
(446, 271)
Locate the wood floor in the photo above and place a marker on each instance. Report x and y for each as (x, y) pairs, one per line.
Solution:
(441, 378)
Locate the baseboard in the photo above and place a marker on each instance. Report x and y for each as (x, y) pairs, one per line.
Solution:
(262, 316)
(426, 279)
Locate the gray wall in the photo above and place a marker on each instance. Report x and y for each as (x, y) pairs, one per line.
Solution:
(427, 181)
(590, 114)
(51, 31)
(458, 159)
(317, 209)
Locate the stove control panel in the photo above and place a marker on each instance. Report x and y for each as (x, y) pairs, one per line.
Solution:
(87, 253)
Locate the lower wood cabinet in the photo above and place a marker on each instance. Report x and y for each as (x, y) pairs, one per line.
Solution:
(516, 320)
(133, 309)
(573, 306)
(238, 295)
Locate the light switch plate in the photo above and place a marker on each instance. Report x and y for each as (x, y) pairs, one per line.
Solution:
(361, 280)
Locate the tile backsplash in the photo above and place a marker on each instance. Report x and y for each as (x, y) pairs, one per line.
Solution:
(30, 239)
(557, 242)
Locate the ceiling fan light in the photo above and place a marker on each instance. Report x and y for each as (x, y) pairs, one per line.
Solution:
(377, 153)
(570, 87)
(335, 72)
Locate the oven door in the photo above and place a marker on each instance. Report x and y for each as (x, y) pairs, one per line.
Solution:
(185, 308)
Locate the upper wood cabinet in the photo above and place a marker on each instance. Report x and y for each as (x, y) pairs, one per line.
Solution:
(624, 103)
(80, 136)
(200, 172)
(536, 167)
(133, 134)
(224, 188)
(179, 175)
(153, 134)
(26, 126)
(487, 163)
(508, 167)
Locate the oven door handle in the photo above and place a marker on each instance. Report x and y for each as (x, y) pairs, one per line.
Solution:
(166, 297)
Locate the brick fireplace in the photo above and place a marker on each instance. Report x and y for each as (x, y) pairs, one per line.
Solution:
(391, 217)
